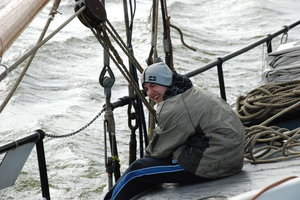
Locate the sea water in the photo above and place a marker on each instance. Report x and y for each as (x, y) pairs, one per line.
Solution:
(61, 92)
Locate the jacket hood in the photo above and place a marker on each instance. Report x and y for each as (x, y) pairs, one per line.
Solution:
(179, 85)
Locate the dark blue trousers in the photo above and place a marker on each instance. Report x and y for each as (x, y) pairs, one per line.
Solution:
(147, 172)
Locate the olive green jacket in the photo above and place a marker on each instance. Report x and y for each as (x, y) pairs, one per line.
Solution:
(200, 131)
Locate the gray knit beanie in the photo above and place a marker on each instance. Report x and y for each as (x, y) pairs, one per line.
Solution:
(158, 73)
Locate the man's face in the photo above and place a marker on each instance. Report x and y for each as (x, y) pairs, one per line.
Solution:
(155, 92)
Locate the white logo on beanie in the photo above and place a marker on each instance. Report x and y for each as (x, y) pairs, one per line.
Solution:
(158, 73)
(152, 78)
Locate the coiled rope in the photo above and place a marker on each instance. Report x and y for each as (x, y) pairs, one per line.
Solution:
(268, 100)
(270, 144)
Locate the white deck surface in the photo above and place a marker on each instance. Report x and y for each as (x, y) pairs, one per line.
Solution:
(252, 177)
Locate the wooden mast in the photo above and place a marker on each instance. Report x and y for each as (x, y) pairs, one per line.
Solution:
(15, 15)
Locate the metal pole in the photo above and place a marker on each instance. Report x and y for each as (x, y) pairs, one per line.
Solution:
(42, 165)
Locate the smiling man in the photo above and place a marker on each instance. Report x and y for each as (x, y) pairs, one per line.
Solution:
(198, 137)
(156, 80)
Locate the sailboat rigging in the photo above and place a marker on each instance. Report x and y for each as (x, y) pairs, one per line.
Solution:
(92, 13)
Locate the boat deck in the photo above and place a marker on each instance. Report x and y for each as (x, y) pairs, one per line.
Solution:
(252, 177)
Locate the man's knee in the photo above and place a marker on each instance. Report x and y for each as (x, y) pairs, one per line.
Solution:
(149, 162)
(139, 164)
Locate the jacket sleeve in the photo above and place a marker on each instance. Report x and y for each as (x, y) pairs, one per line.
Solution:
(170, 133)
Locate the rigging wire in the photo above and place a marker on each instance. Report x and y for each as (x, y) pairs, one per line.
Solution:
(31, 54)
(181, 38)
(168, 49)
(135, 109)
(153, 50)
(104, 40)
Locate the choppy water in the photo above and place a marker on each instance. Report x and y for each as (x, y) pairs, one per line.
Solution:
(60, 92)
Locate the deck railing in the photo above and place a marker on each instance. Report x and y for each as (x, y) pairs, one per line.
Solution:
(219, 61)
(16, 154)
